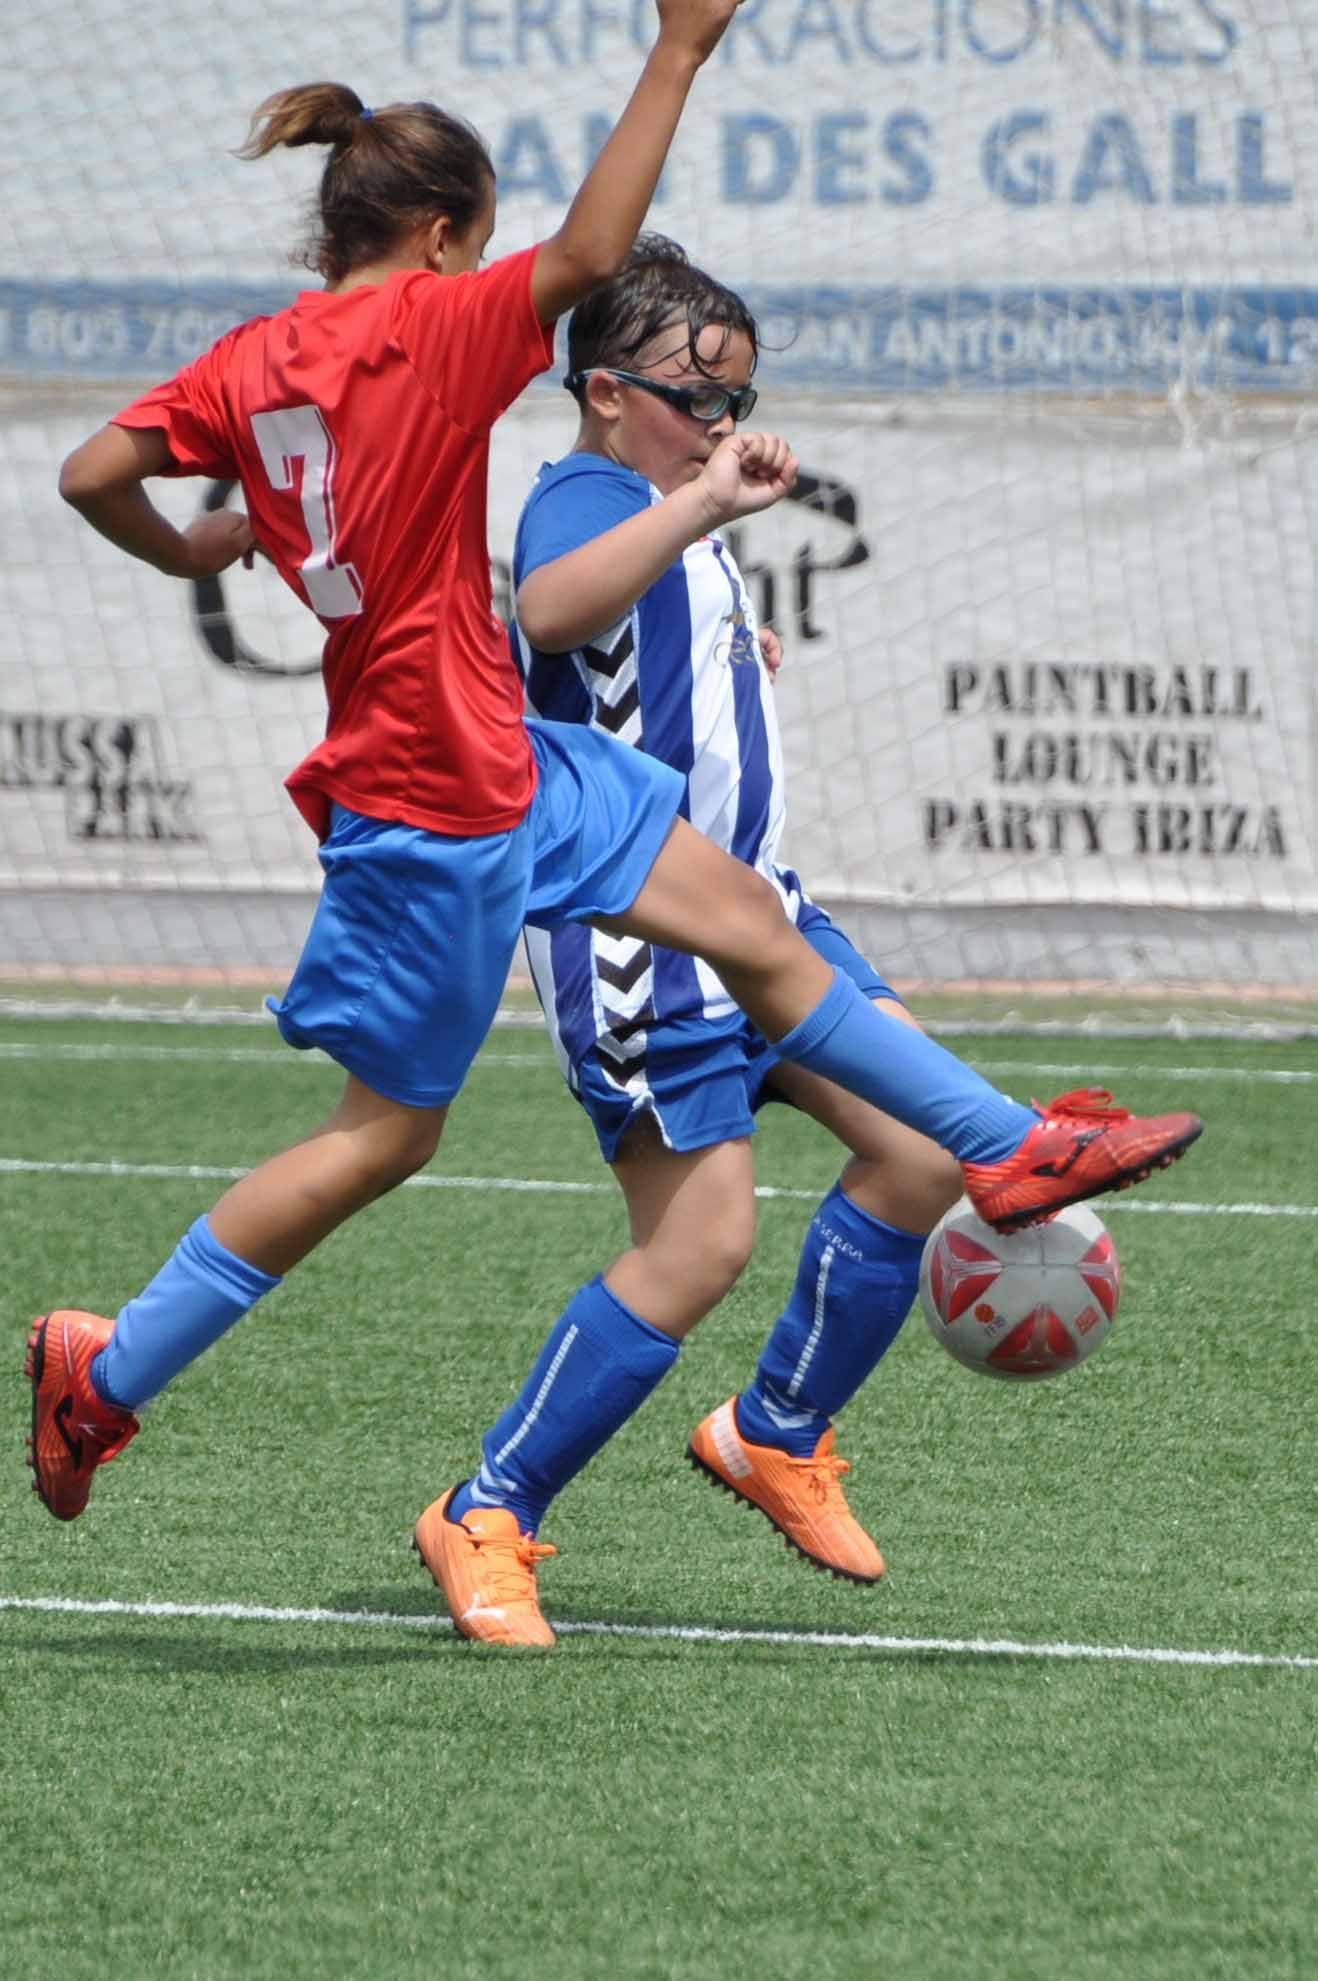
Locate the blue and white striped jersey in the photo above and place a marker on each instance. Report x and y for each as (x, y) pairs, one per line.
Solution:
(682, 677)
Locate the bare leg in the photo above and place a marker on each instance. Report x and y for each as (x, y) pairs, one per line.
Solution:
(281, 1211)
(693, 1225)
(697, 898)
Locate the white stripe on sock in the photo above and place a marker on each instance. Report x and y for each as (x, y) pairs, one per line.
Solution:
(541, 1394)
(821, 1295)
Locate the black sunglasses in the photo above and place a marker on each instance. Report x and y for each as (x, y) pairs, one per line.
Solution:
(701, 402)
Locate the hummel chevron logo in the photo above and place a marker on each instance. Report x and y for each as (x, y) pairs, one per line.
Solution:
(602, 660)
(624, 973)
(613, 715)
(1069, 1161)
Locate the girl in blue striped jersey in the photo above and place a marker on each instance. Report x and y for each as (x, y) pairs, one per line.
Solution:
(668, 1068)
(633, 618)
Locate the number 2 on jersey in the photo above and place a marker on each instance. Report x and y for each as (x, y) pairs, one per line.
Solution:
(299, 433)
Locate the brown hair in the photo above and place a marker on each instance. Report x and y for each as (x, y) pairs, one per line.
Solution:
(657, 288)
(389, 170)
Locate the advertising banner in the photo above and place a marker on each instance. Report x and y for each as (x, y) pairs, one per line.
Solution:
(1038, 290)
(1001, 682)
(1011, 194)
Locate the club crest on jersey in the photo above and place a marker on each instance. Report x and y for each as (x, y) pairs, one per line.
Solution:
(738, 648)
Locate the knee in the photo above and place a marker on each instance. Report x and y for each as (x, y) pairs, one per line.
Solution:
(710, 1264)
(941, 1181)
(727, 1251)
(397, 1147)
(755, 910)
(911, 1193)
(415, 1143)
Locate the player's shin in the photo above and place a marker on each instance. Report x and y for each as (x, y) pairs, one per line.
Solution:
(597, 1367)
(855, 1285)
(907, 1074)
(198, 1295)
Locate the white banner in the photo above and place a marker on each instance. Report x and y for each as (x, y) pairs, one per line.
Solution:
(1008, 193)
(1033, 656)
(1018, 670)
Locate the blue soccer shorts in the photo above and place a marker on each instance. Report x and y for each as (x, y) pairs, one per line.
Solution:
(702, 1080)
(414, 934)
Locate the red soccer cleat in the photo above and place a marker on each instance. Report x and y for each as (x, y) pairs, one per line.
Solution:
(73, 1429)
(1082, 1146)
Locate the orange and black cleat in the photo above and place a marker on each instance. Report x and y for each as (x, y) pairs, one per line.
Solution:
(486, 1568)
(801, 1497)
(1081, 1146)
(73, 1428)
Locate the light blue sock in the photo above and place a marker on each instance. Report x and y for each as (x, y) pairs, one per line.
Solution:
(196, 1297)
(854, 1288)
(906, 1074)
(599, 1364)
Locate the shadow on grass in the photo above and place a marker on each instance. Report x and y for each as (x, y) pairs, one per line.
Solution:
(401, 1600)
(418, 1596)
(647, 1640)
(659, 1635)
(223, 1657)
(229, 1648)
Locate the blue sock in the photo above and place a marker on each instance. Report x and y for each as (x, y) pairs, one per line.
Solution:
(906, 1074)
(854, 1288)
(598, 1366)
(196, 1297)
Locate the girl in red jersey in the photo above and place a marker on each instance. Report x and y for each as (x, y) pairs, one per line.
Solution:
(357, 421)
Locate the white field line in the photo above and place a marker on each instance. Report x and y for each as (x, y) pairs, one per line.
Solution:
(278, 1056)
(1265, 1076)
(222, 1173)
(58, 1009)
(1254, 1031)
(686, 1633)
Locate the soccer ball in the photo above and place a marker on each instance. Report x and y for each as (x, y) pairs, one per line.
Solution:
(1024, 1304)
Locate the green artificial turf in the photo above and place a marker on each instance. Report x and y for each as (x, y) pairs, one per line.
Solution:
(196, 1796)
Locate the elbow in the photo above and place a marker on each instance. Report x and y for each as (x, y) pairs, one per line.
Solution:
(594, 260)
(544, 635)
(540, 626)
(78, 483)
(605, 263)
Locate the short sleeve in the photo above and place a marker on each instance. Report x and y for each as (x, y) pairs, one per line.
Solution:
(574, 507)
(189, 410)
(475, 341)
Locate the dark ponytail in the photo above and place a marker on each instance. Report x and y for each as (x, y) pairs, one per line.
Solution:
(318, 113)
(389, 171)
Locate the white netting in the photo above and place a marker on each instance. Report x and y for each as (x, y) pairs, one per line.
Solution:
(1039, 289)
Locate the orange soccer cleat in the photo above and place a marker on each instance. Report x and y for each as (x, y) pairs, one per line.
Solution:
(486, 1568)
(1081, 1146)
(73, 1429)
(801, 1497)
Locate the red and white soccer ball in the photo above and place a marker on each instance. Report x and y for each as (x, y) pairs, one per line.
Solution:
(1024, 1304)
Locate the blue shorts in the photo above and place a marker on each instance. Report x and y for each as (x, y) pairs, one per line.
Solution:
(703, 1079)
(412, 940)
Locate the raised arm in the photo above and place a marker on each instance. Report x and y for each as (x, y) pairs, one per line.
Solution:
(103, 479)
(612, 200)
(574, 598)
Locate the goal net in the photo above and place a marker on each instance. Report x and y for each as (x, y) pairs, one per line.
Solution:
(1038, 287)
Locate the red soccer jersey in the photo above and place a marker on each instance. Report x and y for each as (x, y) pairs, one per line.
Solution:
(358, 425)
